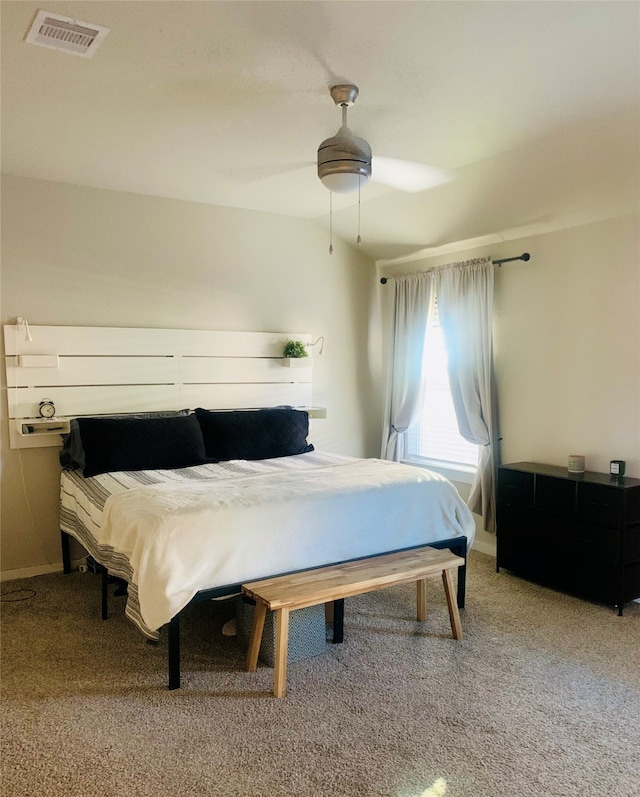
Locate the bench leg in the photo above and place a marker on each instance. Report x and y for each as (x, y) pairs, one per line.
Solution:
(454, 614)
(282, 649)
(256, 635)
(421, 585)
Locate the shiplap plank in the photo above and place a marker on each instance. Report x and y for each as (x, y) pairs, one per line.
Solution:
(205, 343)
(95, 400)
(239, 369)
(91, 341)
(97, 371)
(135, 341)
(71, 401)
(227, 397)
(154, 370)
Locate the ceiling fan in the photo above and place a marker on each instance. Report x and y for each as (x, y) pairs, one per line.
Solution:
(346, 163)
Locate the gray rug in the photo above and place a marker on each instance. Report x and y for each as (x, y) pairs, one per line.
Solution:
(541, 697)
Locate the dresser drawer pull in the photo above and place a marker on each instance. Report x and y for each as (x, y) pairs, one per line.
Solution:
(599, 503)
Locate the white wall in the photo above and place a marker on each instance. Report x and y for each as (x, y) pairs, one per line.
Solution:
(81, 256)
(567, 336)
(567, 344)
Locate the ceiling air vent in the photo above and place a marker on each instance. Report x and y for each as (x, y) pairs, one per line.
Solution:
(66, 34)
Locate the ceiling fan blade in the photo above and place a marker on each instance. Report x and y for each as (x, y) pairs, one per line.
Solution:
(407, 175)
(253, 174)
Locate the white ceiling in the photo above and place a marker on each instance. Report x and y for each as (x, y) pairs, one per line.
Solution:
(533, 106)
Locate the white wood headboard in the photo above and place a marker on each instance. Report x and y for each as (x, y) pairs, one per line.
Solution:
(101, 370)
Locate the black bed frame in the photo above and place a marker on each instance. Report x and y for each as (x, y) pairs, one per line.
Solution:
(457, 545)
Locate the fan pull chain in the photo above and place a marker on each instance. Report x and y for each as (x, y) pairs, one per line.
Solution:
(359, 238)
(330, 222)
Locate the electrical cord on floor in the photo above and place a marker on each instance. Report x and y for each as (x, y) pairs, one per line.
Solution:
(5, 596)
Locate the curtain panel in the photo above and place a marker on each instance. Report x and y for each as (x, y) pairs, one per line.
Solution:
(465, 306)
(411, 307)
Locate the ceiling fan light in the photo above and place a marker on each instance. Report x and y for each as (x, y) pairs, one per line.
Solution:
(344, 182)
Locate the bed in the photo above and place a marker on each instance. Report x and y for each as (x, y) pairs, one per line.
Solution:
(187, 506)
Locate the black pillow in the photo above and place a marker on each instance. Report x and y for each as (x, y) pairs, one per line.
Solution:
(254, 434)
(72, 453)
(113, 444)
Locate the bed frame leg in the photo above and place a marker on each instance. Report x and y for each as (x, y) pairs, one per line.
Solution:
(462, 580)
(104, 574)
(66, 552)
(174, 652)
(338, 621)
(458, 546)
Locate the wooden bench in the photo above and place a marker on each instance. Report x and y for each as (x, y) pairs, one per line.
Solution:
(283, 594)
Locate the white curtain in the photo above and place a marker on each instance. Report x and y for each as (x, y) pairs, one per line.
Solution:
(465, 307)
(411, 306)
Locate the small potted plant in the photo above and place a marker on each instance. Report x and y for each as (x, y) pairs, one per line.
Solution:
(294, 353)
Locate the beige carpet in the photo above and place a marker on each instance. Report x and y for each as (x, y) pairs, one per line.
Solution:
(540, 698)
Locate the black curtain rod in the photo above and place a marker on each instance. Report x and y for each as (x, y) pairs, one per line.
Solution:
(524, 256)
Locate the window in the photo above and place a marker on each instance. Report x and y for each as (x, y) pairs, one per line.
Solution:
(435, 439)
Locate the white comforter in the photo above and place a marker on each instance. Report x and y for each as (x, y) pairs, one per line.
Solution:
(271, 517)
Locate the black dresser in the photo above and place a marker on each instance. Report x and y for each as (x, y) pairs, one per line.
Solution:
(578, 533)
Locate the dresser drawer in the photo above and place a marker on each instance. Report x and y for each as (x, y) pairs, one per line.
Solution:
(516, 538)
(633, 506)
(600, 504)
(631, 544)
(556, 495)
(598, 544)
(515, 487)
(554, 530)
(631, 586)
(596, 582)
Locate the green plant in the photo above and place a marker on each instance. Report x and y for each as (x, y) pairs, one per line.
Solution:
(295, 349)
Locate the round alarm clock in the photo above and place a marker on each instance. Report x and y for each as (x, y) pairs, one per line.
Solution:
(47, 408)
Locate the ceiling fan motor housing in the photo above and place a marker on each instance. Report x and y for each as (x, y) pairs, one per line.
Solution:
(344, 160)
(344, 154)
